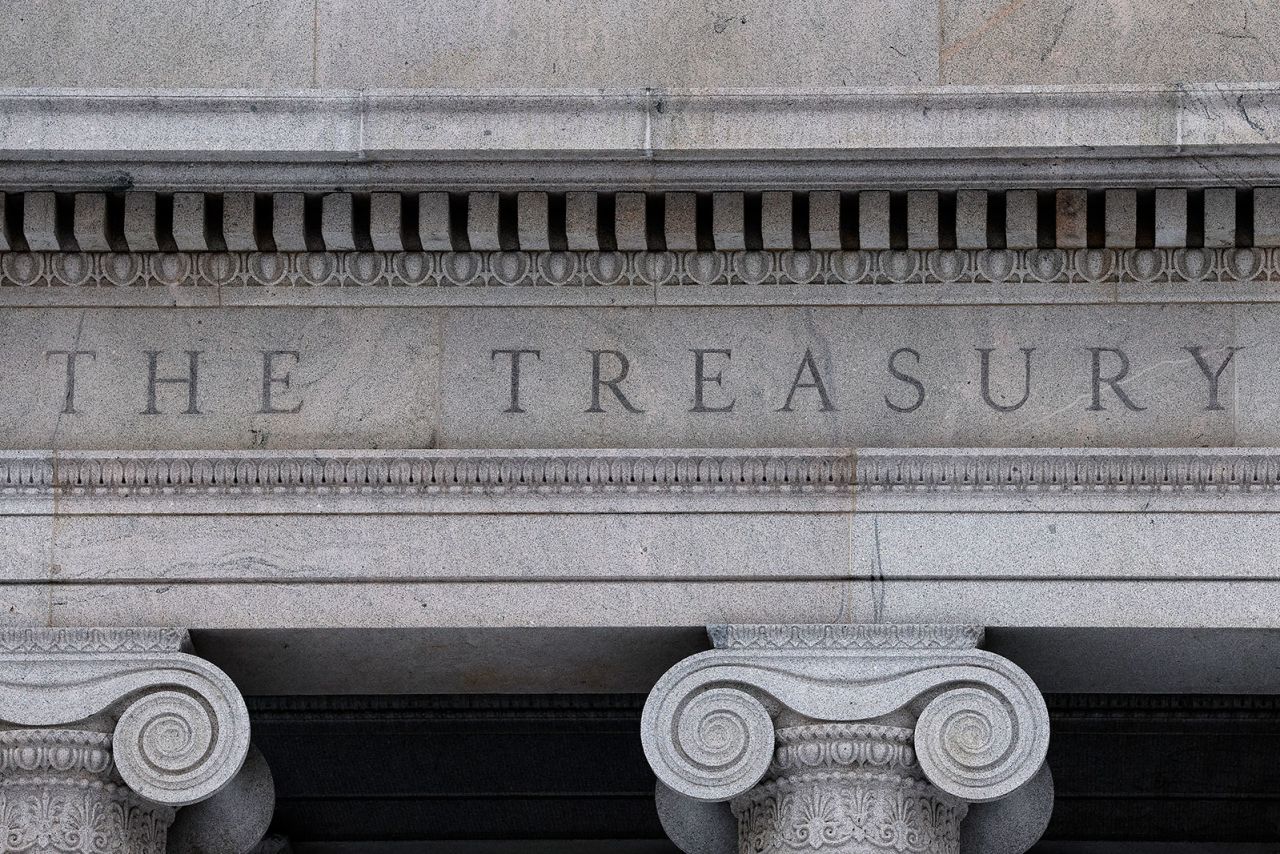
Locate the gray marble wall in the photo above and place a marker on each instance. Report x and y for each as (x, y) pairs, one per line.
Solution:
(293, 44)
(1141, 375)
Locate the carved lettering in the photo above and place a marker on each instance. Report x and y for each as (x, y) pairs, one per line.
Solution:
(190, 381)
(515, 373)
(700, 378)
(69, 398)
(985, 370)
(815, 383)
(270, 381)
(1113, 381)
(1211, 374)
(624, 368)
(906, 378)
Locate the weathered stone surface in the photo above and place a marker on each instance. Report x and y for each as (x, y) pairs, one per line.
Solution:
(873, 219)
(234, 44)
(727, 221)
(140, 222)
(630, 222)
(1021, 219)
(433, 221)
(1072, 223)
(775, 220)
(336, 222)
(421, 44)
(922, 219)
(90, 222)
(531, 221)
(680, 222)
(1106, 41)
(288, 222)
(662, 538)
(238, 399)
(189, 222)
(1171, 217)
(581, 218)
(824, 219)
(971, 219)
(1120, 214)
(38, 221)
(638, 139)
(641, 377)
(1219, 217)
(385, 227)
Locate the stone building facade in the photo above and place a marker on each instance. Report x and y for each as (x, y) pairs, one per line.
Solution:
(731, 428)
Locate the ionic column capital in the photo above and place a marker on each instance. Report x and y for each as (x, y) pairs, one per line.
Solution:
(862, 721)
(131, 723)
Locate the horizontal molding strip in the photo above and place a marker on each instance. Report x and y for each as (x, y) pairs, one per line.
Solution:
(775, 471)
(638, 278)
(639, 139)
(644, 122)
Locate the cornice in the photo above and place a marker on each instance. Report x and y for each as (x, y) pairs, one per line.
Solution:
(639, 137)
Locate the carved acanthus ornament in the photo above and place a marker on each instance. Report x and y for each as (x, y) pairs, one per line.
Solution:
(104, 733)
(850, 739)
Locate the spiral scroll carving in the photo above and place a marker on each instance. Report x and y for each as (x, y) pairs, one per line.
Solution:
(972, 744)
(169, 749)
(721, 743)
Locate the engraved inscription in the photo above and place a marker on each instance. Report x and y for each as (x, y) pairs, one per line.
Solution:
(640, 377)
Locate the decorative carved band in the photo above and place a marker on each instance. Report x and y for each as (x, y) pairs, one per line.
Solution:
(59, 792)
(499, 269)
(848, 789)
(93, 640)
(773, 471)
(846, 636)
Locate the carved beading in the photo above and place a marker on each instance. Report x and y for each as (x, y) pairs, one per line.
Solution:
(907, 636)
(782, 471)
(59, 792)
(847, 790)
(92, 640)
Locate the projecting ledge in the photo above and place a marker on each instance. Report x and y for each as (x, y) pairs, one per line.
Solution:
(168, 139)
(624, 539)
